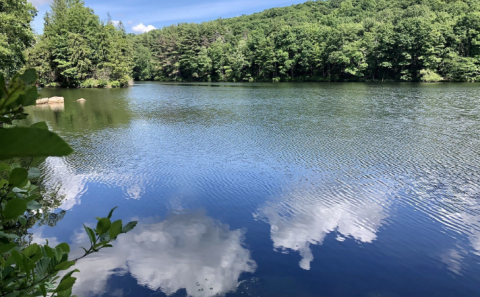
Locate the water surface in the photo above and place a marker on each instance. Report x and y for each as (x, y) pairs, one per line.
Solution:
(329, 190)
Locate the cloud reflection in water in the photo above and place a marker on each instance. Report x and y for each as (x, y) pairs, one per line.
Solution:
(62, 179)
(305, 216)
(186, 251)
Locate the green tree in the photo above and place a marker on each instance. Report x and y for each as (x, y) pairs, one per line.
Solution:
(16, 34)
(77, 49)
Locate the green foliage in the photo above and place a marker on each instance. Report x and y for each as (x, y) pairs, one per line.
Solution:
(34, 141)
(94, 83)
(348, 40)
(78, 50)
(115, 84)
(16, 34)
(31, 269)
(31, 142)
(428, 75)
(143, 63)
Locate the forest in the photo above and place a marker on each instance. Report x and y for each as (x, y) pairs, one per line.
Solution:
(332, 40)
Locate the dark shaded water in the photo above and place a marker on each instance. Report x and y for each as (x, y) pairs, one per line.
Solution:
(328, 190)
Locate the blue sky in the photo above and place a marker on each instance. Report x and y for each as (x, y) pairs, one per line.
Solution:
(141, 15)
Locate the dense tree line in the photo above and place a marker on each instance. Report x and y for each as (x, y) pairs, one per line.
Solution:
(332, 40)
(77, 49)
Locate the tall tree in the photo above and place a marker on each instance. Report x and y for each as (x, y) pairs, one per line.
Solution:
(16, 34)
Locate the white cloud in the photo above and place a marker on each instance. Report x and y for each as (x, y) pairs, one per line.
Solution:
(186, 251)
(115, 23)
(141, 28)
(40, 239)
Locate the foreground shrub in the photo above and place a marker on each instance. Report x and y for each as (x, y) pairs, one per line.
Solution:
(32, 269)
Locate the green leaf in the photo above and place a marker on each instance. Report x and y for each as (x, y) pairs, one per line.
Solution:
(15, 165)
(66, 284)
(7, 247)
(64, 265)
(22, 220)
(66, 293)
(4, 167)
(34, 173)
(103, 225)
(29, 77)
(14, 95)
(33, 205)
(105, 237)
(32, 198)
(129, 226)
(10, 261)
(31, 96)
(37, 257)
(90, 234)
(111, 212)
(64, 246)
(26, 266)
(31, 142)
(60, 255)
(31, 250)
(14, 208)
(115, 229)
(99, 245)
(18, 190)
(9, 236)
(48, 251)
(19, 176)
(39, 125)
(69, 274)
(43, 290)
(42, 265)
(3, 182)
(17, 257)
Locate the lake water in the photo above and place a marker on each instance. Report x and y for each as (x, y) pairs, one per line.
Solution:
(331, 190)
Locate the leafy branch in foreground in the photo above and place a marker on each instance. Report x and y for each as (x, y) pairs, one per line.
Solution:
(33, 270)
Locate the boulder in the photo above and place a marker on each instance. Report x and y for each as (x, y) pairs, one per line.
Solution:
(42, 101)
(56, 100)
(81, 100)
(52, 100)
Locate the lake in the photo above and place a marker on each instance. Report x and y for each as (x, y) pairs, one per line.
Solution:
(306, 189)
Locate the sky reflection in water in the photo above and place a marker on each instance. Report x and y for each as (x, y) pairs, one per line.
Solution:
(187, 250)
(307, 189)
